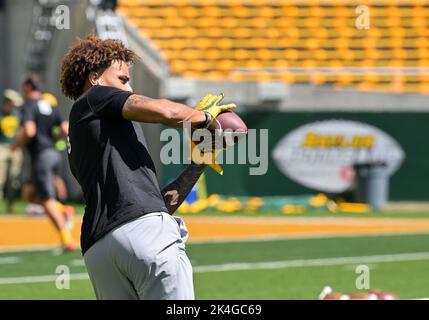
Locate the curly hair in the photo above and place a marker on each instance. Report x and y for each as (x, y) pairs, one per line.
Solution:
(88, 55)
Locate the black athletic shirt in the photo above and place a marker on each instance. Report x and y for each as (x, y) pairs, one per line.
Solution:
(109, 158)
(46, 118)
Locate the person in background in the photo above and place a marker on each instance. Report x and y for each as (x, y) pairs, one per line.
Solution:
(38, 120)
(10, 157)
(60, 185)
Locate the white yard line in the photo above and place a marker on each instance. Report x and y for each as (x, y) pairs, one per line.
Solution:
(26, 248)
(45, 278)
(313, 236)
(253, 266)
(313, 262)
(9, 260)
(78, 263)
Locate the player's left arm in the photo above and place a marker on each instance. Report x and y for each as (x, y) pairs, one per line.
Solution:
(28, 122)
(64, 129)
(21, 139)
(176, 192)
(30, 129)
(61, 122)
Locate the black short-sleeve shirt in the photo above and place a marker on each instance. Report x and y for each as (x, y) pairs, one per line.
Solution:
(46, 118)
(109, 158)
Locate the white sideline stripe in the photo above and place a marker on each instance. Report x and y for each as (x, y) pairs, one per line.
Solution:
(263, 238)
(253, 265)
(26, 248)
(47, 278)
(9, 260)
(78, 263)
(313, 262)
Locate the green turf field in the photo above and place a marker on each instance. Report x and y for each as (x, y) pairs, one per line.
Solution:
(281, 269)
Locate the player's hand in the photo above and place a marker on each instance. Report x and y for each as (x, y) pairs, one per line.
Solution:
(210, 104)
(198, 156)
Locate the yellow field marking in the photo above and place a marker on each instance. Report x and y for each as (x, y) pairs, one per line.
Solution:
(16, 232)
(214, 228)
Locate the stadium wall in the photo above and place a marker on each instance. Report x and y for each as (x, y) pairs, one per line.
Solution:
(15, 30)
(409, 129)
(3, 42)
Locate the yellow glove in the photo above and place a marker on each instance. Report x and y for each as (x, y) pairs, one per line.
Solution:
(199, 157)
(210, 104)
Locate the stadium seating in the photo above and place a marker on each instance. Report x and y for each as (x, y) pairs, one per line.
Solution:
(261, 40)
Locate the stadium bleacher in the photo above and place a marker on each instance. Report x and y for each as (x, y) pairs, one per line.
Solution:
(263, 40)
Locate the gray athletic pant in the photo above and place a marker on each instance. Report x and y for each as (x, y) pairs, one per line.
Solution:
(142, 259)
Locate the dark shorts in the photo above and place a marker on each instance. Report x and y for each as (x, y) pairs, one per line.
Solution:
(46, 165)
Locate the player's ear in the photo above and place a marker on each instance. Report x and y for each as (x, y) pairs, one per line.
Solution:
(93, 78)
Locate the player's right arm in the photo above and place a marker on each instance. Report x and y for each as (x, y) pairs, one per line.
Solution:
(144, 109)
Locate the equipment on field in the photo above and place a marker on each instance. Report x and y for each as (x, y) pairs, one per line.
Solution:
(384, 295)
(375, 294)
(372, 184)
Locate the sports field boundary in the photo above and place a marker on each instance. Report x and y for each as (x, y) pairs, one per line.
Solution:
(242, 266)
(22, 232)
(233, 240)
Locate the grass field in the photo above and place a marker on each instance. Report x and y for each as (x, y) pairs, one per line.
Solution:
(280, 269)
(313, 251)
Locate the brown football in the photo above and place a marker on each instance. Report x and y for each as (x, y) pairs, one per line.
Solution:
(363, 296)
(336, 296)
(387, 296)
(231, 127)
(384, 295)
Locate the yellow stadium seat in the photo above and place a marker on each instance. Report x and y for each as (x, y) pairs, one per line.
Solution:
(336, 64)
(309, 63)
(291, 54)
(423, 63)
(209, 39)
(264, 54)
(312, 44)
(242, 33)
(225, 65)
(266, 11)
(273, 33)
(424, 77)
(253, 64)
(347, 55)
(345, 78)
(178, 66)
(321, 55)
(320, 33)
(280, 63)
(318, 78)
(424, 88)
(395, 63)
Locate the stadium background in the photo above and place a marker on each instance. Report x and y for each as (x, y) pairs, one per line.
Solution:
(285, 63)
